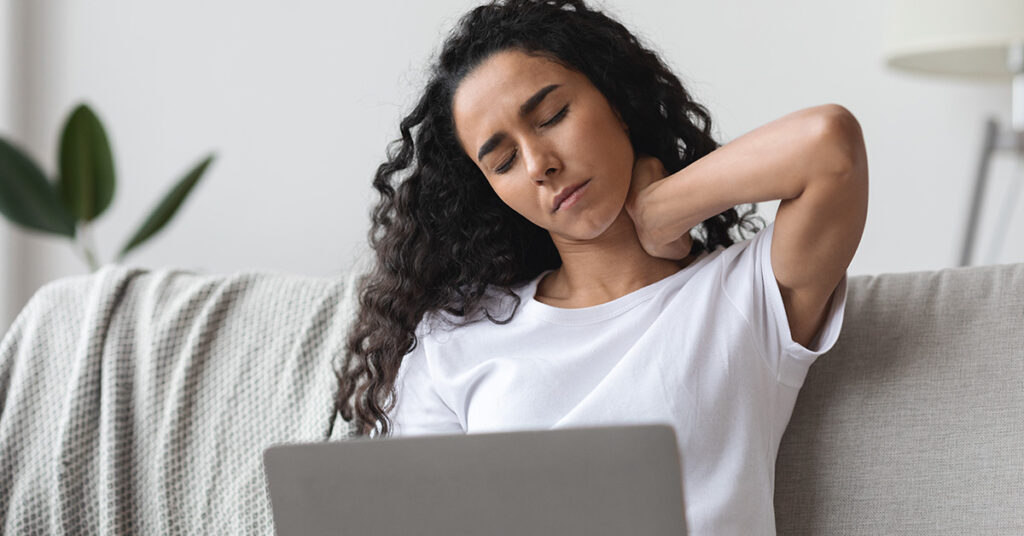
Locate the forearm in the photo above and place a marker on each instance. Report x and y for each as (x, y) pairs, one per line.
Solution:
(775, 161)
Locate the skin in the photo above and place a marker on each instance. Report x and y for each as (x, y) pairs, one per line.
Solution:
(602, 256)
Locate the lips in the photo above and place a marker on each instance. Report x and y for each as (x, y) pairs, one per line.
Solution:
(566, 192)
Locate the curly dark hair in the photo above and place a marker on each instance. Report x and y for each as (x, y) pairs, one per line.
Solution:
(442, 236)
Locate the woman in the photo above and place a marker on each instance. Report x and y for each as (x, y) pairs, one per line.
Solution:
(499, 301)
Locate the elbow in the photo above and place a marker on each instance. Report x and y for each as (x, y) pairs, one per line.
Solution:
(839, 143)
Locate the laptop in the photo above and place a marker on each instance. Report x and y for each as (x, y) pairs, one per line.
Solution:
(593, 481)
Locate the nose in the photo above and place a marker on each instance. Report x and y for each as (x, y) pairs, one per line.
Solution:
(541, 160)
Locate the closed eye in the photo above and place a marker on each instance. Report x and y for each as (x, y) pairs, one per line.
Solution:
(555, 119)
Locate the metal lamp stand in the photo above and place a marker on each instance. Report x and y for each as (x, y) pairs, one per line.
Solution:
(997, 140)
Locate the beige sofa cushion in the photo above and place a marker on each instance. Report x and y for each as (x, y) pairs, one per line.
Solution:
(914, 422)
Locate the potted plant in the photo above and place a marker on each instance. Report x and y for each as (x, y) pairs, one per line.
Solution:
(82, 189)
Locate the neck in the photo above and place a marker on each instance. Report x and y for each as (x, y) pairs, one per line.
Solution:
(603, 269)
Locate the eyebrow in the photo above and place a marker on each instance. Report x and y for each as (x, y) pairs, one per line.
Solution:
(527, 107)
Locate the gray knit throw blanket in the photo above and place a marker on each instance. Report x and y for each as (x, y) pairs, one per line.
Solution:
(139, 402)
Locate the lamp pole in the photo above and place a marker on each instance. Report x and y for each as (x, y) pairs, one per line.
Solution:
(994, 139)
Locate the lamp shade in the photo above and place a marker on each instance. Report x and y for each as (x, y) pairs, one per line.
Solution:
(954, 37)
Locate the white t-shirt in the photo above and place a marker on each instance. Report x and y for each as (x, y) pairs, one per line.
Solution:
(706, 350)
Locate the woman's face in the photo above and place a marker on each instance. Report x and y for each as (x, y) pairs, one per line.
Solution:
(534, 128)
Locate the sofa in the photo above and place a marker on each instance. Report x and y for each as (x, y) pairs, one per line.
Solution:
(138, 401)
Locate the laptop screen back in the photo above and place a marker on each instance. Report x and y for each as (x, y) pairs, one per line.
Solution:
(593, 481)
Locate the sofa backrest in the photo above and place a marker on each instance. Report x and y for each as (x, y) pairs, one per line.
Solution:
(913, 423)
(138, 401)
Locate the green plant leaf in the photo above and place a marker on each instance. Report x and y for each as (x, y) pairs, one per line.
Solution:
(86, 183)
(27, 198)
(167, 207)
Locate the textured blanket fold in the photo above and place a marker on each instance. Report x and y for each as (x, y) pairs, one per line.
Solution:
(138, 401)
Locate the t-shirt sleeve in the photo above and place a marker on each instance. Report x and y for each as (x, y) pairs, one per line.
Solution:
(419, 408)
(749, 282)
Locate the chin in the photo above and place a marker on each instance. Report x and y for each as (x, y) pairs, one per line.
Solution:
(589, 228)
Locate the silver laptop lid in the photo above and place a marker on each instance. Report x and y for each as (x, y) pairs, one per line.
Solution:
(586, 481)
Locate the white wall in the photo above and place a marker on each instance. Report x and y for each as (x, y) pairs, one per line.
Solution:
(299, 99)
